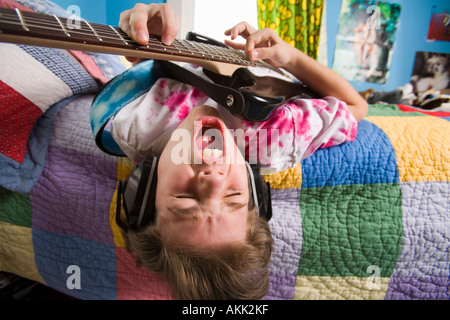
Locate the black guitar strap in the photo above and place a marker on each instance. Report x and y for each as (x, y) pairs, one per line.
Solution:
(227, 97)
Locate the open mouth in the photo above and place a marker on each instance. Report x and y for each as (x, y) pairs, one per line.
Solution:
(209, 139)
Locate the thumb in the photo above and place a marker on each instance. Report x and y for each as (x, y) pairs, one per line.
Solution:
(260, 54)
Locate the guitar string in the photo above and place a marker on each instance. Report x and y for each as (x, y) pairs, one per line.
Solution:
(225, 53)
(198, 48)
(157, 47)
(106, 29)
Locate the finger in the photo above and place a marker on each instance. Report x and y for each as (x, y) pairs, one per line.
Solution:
(235, 45)
(131, 59)
(261, 38)
(243, 29)
(168, 20)
(259, 54)
(139, 16)
(124, 21)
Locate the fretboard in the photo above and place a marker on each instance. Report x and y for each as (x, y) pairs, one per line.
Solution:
(31, 28)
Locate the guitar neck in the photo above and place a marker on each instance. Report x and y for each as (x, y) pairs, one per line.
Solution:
(37, 29)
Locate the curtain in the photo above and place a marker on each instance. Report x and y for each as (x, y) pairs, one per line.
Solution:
(296, 21)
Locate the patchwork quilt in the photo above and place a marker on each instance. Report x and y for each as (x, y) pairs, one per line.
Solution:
(367, 220)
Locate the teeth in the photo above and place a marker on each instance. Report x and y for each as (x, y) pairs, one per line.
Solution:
(214, 153)
(207, 153)
(217, 153)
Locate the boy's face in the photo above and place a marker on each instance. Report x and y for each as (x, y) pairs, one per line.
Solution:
(202, 195)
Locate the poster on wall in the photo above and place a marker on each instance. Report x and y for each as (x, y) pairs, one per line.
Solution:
(431, 71)
(365, 40)
(439, 28)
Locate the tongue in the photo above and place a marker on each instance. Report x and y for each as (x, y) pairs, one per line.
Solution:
(205, 141)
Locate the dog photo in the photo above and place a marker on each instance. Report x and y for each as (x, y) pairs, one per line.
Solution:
(431, 72)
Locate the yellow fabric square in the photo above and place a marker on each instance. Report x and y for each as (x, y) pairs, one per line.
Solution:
(16, 252)
(340, 288)
(287, 179)
(421, 144)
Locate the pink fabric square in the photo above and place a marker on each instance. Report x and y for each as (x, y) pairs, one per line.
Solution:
(135, 283)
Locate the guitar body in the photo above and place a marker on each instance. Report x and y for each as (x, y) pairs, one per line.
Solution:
(250, 90)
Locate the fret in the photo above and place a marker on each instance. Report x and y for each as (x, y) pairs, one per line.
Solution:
(120, 36)
(93, 30)
(184, 44)
(62, 25)
(175, 46)
(22, 21)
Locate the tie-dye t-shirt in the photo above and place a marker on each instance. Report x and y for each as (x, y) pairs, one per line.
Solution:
(295, 131)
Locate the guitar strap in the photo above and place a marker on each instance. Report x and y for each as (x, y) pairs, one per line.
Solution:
(227, 97)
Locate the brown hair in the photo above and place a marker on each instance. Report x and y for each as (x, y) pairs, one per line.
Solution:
(232, 271)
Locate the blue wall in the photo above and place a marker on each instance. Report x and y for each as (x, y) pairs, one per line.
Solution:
(411, 37)
(102, 11)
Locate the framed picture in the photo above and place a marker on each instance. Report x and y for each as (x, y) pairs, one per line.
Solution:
(439, 28)
(365, 39)
(431, 71)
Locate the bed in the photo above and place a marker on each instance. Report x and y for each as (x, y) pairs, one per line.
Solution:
(365, 220)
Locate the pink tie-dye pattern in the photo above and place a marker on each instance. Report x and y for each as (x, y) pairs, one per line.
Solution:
(280, 121)
(302, 126)
(181, 103)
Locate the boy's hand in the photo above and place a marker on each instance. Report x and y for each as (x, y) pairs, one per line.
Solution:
(158, 19)
(262, 44)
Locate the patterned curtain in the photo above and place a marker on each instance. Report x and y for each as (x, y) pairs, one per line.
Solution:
(296, 22)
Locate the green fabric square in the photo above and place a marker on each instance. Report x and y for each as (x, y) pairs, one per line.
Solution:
(348, 228)
(390, 110)
(15, 208)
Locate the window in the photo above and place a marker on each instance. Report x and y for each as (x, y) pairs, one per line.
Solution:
(212, 17)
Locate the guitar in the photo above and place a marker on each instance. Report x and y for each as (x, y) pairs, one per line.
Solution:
(250, 90)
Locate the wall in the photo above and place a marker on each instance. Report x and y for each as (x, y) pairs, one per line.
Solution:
(411, 37)
(102, 11)
(411, 34)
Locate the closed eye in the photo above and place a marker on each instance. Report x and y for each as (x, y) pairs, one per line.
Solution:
(185, 197)
(233, 195)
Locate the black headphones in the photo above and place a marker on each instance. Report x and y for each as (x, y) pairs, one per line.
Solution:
(137, 194)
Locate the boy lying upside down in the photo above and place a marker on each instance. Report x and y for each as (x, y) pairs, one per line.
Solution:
(207, 239)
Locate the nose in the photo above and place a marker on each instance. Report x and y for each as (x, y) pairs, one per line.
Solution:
(210, 178)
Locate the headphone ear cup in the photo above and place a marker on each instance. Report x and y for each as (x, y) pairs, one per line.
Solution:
(139, 193)
(261, 192)
(148, 209)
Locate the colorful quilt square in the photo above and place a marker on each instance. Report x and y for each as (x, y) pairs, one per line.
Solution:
(97, 182)
(134, 283)
(95, 263)
(329, 167)
(15, 208)
(17, 118)
(347, 229)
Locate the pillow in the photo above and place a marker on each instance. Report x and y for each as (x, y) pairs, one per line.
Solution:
(33, 80)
